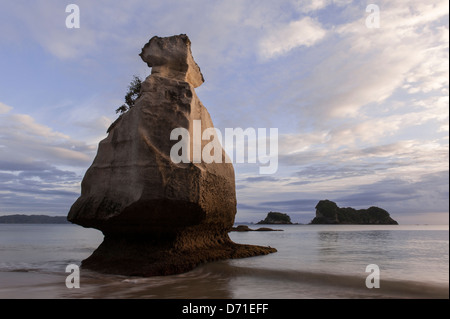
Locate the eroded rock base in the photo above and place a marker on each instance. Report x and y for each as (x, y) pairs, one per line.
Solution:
(147, 257)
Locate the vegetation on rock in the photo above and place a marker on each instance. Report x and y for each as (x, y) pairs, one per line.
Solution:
(327, 212)
(134, 91)
(276, 218)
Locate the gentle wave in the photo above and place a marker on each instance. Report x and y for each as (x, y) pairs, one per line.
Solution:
(388, 287)
(289, 283)
(50, 267)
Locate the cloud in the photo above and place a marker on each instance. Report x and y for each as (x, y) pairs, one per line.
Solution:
(295, 205)
(23, 124)
(330, 168)
(40, 169)
(403, 195)
(43, 22)
(4, 108)
(308, 6)
(25, 140)
(281, 39)
(359, 68)
(255, 179)
(36, 187)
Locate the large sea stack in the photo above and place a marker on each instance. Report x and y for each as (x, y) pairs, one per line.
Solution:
(159, 217)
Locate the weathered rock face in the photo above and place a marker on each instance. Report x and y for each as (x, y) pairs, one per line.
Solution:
(159, 217)
(327, 212)
(172, 58)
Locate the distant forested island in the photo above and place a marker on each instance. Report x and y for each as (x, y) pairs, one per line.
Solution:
(276, 218)
(328, 212)
(33, 219)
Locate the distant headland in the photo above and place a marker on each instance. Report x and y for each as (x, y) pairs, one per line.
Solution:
(327, 212)
(33, 219)
(244, 228)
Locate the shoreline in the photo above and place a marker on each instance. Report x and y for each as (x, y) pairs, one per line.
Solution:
(211, 281)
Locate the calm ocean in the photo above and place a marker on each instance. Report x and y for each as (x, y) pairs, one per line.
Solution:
(313, 261)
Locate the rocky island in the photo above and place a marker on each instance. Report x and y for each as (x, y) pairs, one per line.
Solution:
(327, 212)
(276, 218)
(159, 217)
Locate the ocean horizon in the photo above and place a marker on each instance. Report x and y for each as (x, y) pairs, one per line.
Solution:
(312, 262)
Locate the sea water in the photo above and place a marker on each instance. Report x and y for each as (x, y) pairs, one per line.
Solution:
(313, 261)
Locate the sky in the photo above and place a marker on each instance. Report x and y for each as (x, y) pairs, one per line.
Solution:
(362, 110)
